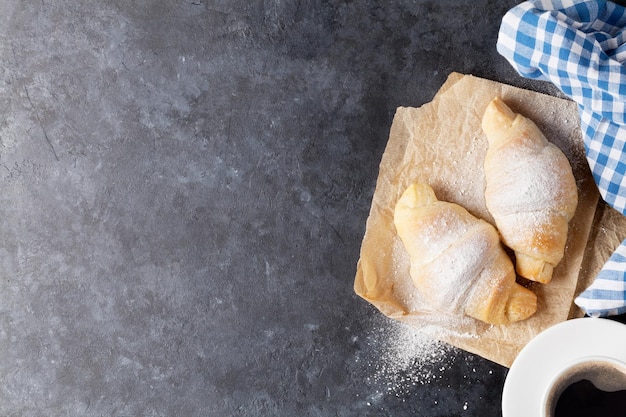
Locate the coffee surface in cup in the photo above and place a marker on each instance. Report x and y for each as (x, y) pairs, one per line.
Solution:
(583, 398)
(592, 386)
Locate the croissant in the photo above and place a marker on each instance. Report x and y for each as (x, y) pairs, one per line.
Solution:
(530, 191)
(457, 261)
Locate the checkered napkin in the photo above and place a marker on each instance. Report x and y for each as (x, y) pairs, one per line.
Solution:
(580, 46)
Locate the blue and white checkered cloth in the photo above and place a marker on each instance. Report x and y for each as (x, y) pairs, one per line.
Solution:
(580, 46)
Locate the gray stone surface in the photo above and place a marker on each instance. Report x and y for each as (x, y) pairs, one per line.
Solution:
(184, 187)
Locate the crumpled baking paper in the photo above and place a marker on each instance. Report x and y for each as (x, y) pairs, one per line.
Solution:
(442, 143)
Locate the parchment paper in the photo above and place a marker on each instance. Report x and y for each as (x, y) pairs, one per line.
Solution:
(442, 143)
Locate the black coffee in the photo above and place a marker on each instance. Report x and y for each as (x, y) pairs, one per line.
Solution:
(584, 399)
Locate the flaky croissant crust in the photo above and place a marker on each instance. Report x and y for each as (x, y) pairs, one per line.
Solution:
(457, 261)
(530, 190)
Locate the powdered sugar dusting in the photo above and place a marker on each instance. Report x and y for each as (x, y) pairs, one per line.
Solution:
(448, 249)
(434, 322)
(527, 177)
(530, 190)
(407, 358)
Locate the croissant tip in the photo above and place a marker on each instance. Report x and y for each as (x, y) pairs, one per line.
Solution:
(500, 106)
(418, 195)
(522, 304)
(534, 269)
(497, 117)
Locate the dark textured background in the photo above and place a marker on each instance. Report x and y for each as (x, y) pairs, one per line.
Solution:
(184, 186)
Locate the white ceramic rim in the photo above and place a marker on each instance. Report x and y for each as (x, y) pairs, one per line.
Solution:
(549, 352)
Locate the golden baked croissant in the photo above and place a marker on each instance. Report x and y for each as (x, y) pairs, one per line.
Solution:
(457, 260)
(530, 190)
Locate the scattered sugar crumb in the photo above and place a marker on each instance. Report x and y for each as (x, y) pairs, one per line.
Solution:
(407, 358)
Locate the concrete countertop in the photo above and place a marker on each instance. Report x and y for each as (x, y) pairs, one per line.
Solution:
(184, 187)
